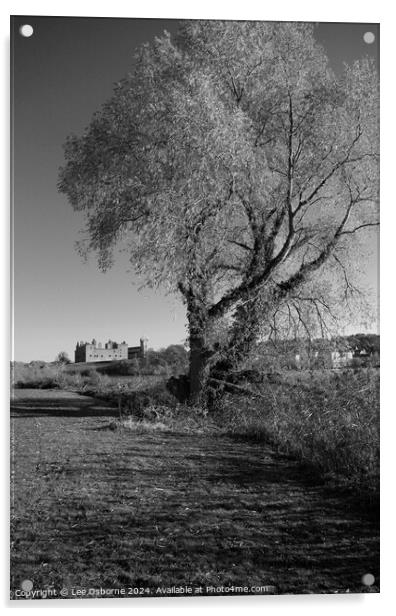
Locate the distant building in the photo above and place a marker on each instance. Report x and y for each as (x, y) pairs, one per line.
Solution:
(138, 351)
(327, 358)
(339, 359)
(111, 351)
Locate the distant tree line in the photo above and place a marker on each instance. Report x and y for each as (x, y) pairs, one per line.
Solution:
(170, 361)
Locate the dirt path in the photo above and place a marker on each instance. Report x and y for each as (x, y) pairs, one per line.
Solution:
(95, 507)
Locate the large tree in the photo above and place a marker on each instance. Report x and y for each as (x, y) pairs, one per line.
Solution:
(235, 166)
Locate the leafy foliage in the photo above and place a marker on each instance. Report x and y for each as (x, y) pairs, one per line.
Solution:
(234, 167)
(62, 358)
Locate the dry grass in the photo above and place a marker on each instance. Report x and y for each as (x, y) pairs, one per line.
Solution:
(327, 419)
(87, 380)
(140, 427)
(179, 418)
(36, 374)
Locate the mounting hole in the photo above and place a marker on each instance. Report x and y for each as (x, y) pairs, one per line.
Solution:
(369, 37)
(26, 30)
(27, 585)
(368, 579)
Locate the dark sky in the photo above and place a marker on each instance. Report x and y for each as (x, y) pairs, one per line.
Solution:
(61, 75)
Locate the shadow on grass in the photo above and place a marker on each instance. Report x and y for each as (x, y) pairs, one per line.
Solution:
(179, 508)
(64, 407)
(117, 508)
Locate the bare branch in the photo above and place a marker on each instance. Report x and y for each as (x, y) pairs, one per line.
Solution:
(241, 245)
(367, 224)
(332, 171)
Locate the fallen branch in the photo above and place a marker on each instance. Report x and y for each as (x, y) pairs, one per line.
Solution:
(243, 389)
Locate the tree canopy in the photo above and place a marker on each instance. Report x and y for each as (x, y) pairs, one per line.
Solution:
(234, 166)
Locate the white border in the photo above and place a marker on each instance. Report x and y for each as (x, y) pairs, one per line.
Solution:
(337, 10)
(288, 10)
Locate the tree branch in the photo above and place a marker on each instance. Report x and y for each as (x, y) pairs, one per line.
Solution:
(367, 224)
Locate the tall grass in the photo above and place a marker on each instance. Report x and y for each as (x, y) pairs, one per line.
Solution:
(85, 379)
(42, 375)
(36, 374)
(327, 419)
(178, 418)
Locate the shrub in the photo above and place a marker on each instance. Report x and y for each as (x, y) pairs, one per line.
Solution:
(62, 358)
(156, 417)
(135, 402)
(124, 367)
(35, 375)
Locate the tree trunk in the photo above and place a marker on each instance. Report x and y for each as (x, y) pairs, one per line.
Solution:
(206, 363)
(245, 332)
(199, 352)
(198, 370)
(244, 335)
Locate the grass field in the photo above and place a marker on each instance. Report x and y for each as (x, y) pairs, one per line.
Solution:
(94, 506)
